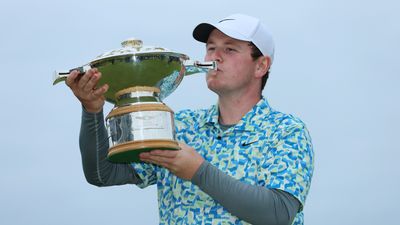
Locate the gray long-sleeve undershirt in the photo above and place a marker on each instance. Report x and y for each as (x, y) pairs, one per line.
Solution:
(254, 204)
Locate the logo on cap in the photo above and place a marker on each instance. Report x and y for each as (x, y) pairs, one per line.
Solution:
(225, 20)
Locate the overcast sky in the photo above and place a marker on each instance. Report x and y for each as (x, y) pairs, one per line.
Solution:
(336, 67)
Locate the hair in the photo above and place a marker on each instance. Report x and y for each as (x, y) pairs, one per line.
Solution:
(255, 54)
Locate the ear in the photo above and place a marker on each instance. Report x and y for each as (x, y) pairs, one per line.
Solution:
(263, 64)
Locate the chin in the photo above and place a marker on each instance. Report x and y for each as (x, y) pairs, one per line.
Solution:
(212, 85)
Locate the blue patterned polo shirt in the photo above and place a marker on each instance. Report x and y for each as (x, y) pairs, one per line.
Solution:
(266, 148)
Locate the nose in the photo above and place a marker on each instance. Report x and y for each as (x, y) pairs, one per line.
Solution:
(214, 56)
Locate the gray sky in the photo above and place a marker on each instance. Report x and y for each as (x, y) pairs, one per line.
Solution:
(335, 67)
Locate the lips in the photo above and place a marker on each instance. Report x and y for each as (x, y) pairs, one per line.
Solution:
(213, 72)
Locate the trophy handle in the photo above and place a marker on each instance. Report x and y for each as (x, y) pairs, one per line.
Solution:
(193, 67)
(59, 76)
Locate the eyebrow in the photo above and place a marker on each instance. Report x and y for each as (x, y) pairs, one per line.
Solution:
(229, 42)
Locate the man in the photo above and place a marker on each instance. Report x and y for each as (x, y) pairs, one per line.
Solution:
(240, 161)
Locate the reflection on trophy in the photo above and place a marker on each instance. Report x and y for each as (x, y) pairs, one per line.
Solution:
(139, 78)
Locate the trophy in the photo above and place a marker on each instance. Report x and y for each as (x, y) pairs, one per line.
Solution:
(139, 78)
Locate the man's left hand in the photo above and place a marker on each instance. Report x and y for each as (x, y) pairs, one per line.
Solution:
(183, 163)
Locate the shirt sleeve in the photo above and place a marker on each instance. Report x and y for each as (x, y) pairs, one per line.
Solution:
(291, 167)
(93, 142)
(146, 172)
(254, 204)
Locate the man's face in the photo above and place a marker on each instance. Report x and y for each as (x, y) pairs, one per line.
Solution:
(236, 68)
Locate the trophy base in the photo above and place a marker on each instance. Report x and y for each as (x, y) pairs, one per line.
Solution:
(129, 152)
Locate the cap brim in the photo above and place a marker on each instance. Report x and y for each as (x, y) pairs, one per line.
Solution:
(202, 31)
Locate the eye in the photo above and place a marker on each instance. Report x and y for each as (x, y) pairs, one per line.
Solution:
(229, 50)
(210, 48)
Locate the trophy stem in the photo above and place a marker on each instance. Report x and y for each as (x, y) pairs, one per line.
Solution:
(137, 94)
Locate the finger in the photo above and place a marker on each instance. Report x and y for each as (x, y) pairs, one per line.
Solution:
(71, 78)
(159, 160)
(164, 162)
(164, 153)
(92, 82)
(101, 91)
(145, 156)
(183, 145)
(85, 78)
(148, 160)
(144, 160)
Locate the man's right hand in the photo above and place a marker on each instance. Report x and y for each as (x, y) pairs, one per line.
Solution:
(84, 88)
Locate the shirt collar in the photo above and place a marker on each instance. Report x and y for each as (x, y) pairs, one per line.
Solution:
(247, 123)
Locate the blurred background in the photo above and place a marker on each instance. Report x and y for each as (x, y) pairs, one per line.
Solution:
(335, 67)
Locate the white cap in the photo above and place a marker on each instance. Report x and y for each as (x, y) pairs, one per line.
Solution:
(241, 27)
